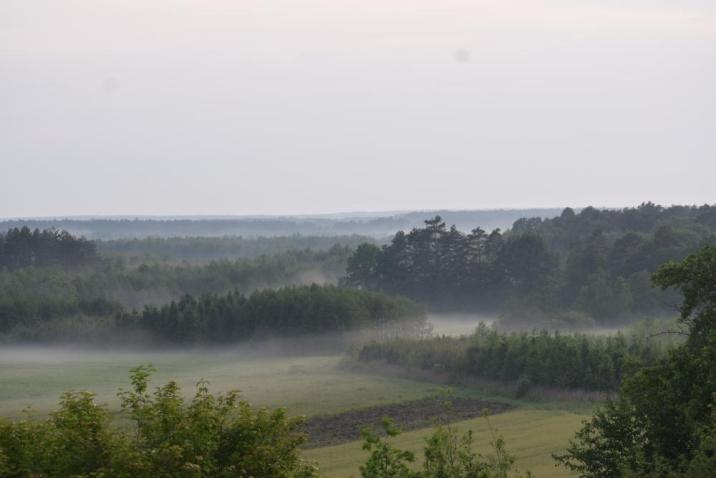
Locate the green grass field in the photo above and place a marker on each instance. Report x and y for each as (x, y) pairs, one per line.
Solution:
(532, 435)
(303, 385)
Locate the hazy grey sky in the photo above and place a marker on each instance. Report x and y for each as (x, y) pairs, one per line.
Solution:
(293, 106)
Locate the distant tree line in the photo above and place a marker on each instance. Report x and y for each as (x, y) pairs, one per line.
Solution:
(564, 231)
(290, 311)
(32, 297)
(206, 249)
(597, 263)
(268, 226)
(526, 358)
(22, 247)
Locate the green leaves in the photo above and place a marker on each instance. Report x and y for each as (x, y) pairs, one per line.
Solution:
(447, 454)
(213, 436)
(695, 278)
(385, 460)
(661, 424)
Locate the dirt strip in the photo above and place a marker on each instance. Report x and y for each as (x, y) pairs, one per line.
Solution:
(328, 430)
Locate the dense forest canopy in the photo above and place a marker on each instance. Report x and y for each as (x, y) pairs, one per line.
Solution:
(577, 269)
(291, 311)
(35, 295)
(22, 247)
(205, 249)
(563, 231)
(597, 262)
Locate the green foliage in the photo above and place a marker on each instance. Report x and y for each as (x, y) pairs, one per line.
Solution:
(527, 358)
(31, 297)
(22, 247)
(445, 266)
(695, 278)
(447, 454)
(197, 250)
(211, 436)
(288, 311)
(603, 298)
(596, 262)
(662, 422)
(386, 461)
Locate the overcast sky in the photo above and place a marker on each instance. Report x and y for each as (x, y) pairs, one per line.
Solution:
(293, 106)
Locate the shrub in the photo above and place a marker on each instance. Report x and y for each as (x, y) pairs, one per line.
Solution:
(211, 436)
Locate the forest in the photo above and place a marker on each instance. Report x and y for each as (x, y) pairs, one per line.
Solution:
(23, 248)
(32, 296)
(55, 286)
(202, 250)
(575, 361)
(290, 311)
(577, 270)
(659, 423)
(589, 268)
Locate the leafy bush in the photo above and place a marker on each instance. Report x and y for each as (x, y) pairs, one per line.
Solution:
(447, 454)
(211, 436)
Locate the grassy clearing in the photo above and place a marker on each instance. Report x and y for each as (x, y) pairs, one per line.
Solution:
(532, 435)
(304, 385)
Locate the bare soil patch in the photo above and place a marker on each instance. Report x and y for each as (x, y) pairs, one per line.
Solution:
(325, 430)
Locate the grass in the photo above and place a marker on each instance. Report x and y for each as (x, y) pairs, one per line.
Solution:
(303, 385)
(532, 435)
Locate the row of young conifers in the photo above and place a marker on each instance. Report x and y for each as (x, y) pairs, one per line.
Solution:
(578, 361)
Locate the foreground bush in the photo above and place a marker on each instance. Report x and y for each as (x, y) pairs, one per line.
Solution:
(210, 436)
(447, 454)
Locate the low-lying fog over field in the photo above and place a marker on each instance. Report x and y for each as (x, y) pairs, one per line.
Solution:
(36, 376)
(280, 372)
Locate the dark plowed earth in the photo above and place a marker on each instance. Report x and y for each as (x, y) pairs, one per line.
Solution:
(344, 427)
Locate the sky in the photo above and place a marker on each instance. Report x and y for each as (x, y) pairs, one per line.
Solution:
(165, 107)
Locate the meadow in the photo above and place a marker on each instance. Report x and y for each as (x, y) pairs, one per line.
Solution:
(532, 436)
(304, 385)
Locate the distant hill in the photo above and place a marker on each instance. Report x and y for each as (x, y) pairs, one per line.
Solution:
(370, 224)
